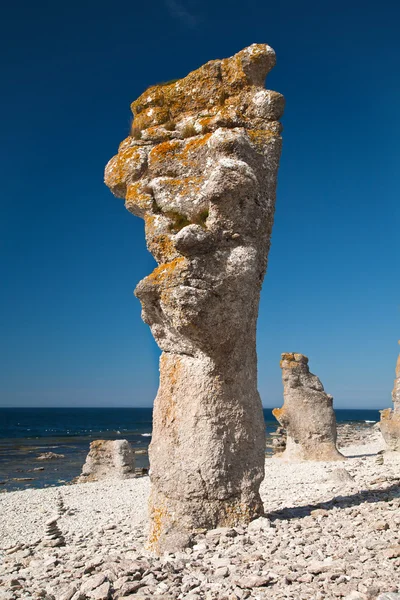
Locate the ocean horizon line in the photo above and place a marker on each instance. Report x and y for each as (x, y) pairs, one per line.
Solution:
(108, 407)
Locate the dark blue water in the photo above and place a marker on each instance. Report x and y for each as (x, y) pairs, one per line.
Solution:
(70, 422)
(25, 433)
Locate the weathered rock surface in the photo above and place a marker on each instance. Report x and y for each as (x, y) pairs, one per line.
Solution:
(108, 459)
(390, 418)
(200, 168)
(307, 413)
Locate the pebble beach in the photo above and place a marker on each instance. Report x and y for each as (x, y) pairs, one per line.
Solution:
(330, 530)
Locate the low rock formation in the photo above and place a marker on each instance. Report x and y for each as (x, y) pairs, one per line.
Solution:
(200, 168)
(307, 413)
(49, 456)
(108, 459)
(390, 418)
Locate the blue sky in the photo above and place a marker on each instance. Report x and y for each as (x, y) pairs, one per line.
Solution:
(71, 255)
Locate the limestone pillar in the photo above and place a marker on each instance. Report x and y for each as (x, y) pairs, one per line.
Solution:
(390, 418)
(200, 168)
(307, 413)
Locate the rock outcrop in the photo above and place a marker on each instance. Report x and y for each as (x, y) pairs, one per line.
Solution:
(390, 418)
(108, 459)
(200, 168)
(307, 413)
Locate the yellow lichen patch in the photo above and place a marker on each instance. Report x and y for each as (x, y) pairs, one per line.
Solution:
(126, 143)
(206, 123)
(138, 200)
(171, 375)
(153, 96)
(237, 512)
(181, 155)
(151, 117)
(194, 144)
(162, 247)
(159, 242)
(158, 518)
(164, 274)
(261, 137)
(195, 92)
(386, 414)
(287, 356)
(233, 74)
(164, 152)
(125, 164)
(157, 134)
(204, 89)
(278, 413)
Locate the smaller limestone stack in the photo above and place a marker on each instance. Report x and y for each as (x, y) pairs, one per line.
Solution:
(390, 418)
(53, 536)
(108, 459)
(307, 413)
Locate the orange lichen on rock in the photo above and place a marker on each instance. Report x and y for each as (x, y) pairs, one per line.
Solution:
(164, 152)
(158, 515)
(261, 137)
(205, 89)
(278, 412)
(178, 154)
(163, 274)
(163, 247)
(138, 198)
(172, 372)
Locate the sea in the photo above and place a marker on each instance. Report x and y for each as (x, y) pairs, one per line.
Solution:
(25, 433)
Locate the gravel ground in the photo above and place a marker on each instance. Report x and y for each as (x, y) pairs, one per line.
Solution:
(330, 531)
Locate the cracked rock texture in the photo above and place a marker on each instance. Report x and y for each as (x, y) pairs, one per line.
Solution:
(390, 418)
(307, 413)
(108, 459)
(200, 168)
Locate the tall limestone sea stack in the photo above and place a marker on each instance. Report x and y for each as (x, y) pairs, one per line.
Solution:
(307, 413)
(200, 168)
(390, 418)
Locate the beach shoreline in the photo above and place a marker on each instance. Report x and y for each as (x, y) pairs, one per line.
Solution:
(331, 529)
(21, 468)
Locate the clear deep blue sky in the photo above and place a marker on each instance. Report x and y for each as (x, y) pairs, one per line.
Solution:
(71, 255)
